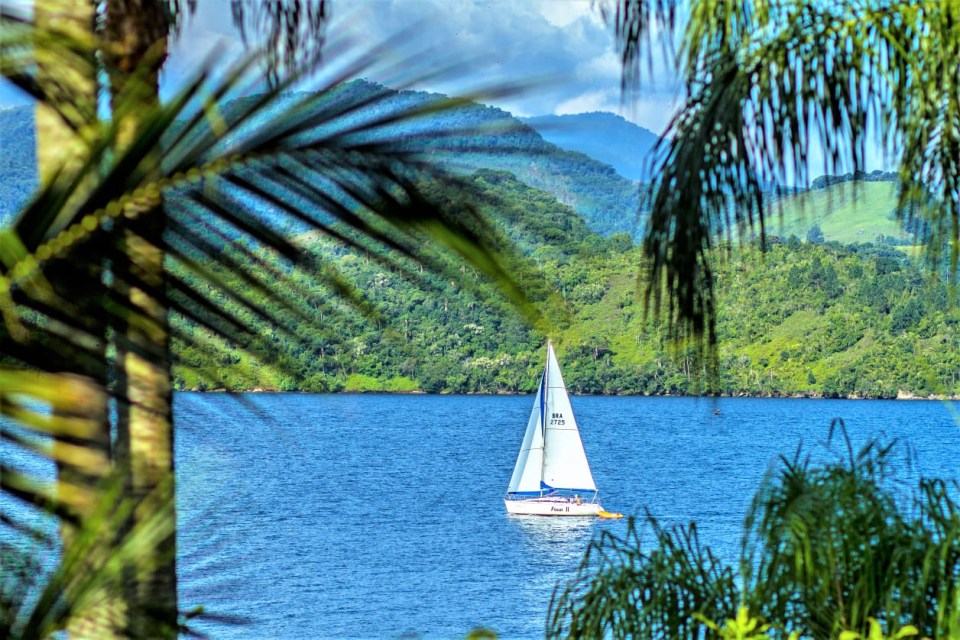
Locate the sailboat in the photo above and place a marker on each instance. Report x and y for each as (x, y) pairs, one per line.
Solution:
(552, 476)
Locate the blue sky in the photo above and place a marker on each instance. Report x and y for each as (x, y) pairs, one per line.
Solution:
(563, 43)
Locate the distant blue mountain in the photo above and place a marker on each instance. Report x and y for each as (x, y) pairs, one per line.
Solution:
(603, 136)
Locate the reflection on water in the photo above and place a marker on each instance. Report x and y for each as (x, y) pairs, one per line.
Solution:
(556, 530)
(552, 549)
(555, 540)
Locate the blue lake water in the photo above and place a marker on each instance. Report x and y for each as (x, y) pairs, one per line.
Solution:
(374, 516)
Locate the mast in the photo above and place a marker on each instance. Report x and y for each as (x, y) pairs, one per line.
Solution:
(543, 412)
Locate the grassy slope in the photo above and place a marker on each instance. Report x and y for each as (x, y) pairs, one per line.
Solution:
(848, 212)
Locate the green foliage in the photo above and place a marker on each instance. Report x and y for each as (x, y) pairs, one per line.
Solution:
(359, 383)
(830, 547)
(876, 632)
(743, 627)
(38, 598)
(624, 591)
(761, 91)
(827, 550)
(797, 319)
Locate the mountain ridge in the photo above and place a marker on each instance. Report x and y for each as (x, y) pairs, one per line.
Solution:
(606, 136)
(469, 137)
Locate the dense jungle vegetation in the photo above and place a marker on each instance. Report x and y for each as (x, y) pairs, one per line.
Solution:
(801, 318)
(807, 317)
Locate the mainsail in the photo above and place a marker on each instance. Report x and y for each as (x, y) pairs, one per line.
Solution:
(552, 455)
(565, 463)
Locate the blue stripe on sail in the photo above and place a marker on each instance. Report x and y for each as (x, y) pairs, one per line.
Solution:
(523, 493)
(545, 487)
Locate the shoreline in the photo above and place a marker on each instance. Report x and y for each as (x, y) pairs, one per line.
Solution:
(901, 395)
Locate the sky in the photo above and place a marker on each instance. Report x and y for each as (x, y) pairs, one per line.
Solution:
(562, 45)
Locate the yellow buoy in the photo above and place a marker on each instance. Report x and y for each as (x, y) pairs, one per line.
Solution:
(608, 515)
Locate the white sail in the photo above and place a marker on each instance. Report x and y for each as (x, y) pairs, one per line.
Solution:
(529, 468)
(565, 463)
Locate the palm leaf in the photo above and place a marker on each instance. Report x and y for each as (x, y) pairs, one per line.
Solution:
(318, 162)
(623, 591)
(826, 548)
(766, 81)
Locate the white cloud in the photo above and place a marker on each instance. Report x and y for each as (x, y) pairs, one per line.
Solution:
(562, 13)
(591, 101)
(604, 67)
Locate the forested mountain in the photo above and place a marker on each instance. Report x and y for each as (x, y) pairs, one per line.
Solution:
(601, 135)
(811, 318)
(484, 137)
(475, 136)
(802, 318)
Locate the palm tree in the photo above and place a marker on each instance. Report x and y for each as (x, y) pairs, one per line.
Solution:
(135, 221)
(765, 82)
(825, 550)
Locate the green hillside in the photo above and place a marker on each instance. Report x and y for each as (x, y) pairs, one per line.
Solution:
(848, 212)
(470, 137)
(802, 318)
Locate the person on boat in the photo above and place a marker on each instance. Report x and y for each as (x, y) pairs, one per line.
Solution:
(578, 499)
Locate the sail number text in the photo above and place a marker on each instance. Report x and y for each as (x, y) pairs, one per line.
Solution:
(557, 419)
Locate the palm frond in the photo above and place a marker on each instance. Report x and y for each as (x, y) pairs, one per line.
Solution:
(826, 548)
(768, 81)
(234, 186)
(623, 591)
(91, 570)
(351, 182)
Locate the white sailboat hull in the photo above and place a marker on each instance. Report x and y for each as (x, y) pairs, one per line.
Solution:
(551, 507)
